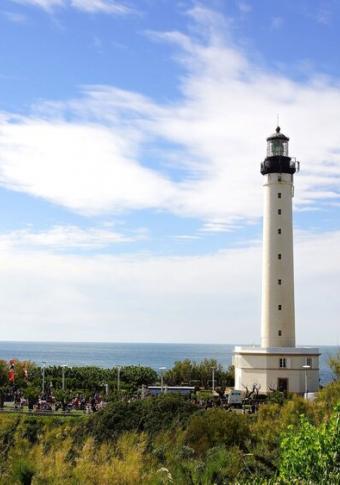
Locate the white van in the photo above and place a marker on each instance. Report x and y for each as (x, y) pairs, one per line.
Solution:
(235, 398)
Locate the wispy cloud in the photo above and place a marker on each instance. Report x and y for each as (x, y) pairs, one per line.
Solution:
(324, 14)
(218, 225)
(244, 7)
(87, 168)
(47, 5)
(150, 298)
(91, 154)
(277, 23)
(104, 6)
(61, 238)
(187, 237)
(14, 17)
(91, 6)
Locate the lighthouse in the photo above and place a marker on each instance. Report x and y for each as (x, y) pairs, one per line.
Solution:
(277, 364)
(278, 316)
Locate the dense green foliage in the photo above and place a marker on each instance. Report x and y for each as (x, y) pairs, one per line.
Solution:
(149, 415)
(215, 427)
(334, 364)
(90, 378)
(188, 372)
(86, 379)
(168, 440)
(312, 453)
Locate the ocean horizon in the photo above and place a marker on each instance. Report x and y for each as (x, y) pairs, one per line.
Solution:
(111, 354)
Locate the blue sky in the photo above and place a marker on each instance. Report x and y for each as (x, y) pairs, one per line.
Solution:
(131, 135)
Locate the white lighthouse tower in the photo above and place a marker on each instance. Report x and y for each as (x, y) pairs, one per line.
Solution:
(277, 364)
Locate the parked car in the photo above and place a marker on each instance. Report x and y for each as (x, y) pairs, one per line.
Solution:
(234, 398)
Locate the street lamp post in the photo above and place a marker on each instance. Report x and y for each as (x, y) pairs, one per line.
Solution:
(213, 378)
(43, 376)
(162, 379)
(306, 366)
(118, 377)
(63, 376)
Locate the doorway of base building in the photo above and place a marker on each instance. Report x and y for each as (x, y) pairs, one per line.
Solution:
(282, 384)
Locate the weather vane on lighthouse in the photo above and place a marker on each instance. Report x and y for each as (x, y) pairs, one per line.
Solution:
(277, 364)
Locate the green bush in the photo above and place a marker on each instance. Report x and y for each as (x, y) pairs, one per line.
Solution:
(23, 472)
(328, 397)
(311, 454)
(150, 415)
(32, 426)
(216, 427)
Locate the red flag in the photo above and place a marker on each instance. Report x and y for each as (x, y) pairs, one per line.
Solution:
(11, 375)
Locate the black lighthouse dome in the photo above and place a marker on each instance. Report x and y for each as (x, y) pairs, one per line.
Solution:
(277, 160)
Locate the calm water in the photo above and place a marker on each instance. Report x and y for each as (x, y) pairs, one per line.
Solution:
(111, 354)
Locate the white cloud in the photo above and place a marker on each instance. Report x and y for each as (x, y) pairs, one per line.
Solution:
(91, 6)
(277, 23)
(216, 225)
(87, 168)
(91, 154)
(14, 17)
(45, 4)
(211, 298)
(244, 7)
(104, 6)
(324, 15)
(67, 237)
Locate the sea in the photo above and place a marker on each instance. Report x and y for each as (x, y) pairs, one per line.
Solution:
(108, 355)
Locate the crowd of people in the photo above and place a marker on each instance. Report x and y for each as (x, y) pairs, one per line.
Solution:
(47, 402)
(54, 401)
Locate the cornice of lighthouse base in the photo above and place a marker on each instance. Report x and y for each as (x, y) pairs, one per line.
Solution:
(272, 368)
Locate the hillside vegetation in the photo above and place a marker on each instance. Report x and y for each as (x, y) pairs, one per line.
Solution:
(169, 440)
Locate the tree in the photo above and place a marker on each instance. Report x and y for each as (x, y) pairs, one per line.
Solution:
(32, 393)
(3, 373)
(334, 364)
(134, 376)
(311, 454)
(149, 415)
(188, 372)
(327, 398)
(216, 427)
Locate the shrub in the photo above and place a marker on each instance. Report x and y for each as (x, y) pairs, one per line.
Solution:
(328, 397)
(310, 453)
(150, 415)
(216, 427)
(23, 472)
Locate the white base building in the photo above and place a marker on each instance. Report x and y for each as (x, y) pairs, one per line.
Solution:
(277, 368)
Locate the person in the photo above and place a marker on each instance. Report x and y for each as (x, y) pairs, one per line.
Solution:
(93, 404)
(17, 400)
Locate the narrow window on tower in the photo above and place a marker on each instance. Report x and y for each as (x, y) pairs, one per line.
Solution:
(279, 256)
(283, 362)
(280, 333)
(279, 282)
(279, 307)
(309, 361)
(279, 178)
(279, 211)
(279, 195)
(279, 231)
